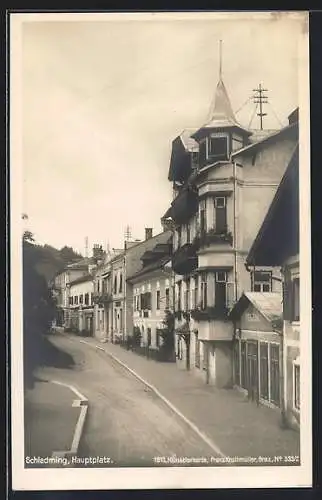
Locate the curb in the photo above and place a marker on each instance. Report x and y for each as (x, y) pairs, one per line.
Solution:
(175, 410)
(82, 403)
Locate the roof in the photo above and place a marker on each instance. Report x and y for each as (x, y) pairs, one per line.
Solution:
(269, 304)
(82, 279)
(221, 113)
(80, 264)
(268, 138)
(158, 264)
(278, 236)
(188, 142)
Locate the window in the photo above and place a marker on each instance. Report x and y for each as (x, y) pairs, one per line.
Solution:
(202, 212)
(296, 299)
(179, 305)
(76, 300)
(167, 298)
(81, 298)
(188, 233)
(86, 299)
(264, 371)
(115, 284)
(70, 301)
(218, 148)
(98, 286)
(196, 292)
(187, 296)
(121, 320)
(197, 351)
(261, 281)
(121, 283)
(146, 301)
(220, 289)
(158, 299)
(149, 336)
(220, 214)
(202, 153)
(91, 302)
(296, 384)
(203, 291)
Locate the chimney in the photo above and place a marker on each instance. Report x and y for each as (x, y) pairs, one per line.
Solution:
(148, 233)
(97, 251)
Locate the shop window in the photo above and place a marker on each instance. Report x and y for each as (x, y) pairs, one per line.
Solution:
(236, 363)
(264, 371)
(261, 281)
(275, 374)
(243, 364)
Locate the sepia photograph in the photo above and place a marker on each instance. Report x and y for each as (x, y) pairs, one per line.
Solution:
(160, 250)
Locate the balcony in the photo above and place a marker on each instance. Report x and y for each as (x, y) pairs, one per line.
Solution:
(184, 206)
(212, 237)
(185, 259)
(102, 298)
(210, 313)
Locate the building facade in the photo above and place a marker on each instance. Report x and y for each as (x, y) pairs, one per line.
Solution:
(277, 244)
(257, 360)
(80, 301)
(221, 196)
(153, 300)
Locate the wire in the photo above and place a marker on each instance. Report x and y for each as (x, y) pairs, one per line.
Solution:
(277, 118)
(253, 115)
(241, 107)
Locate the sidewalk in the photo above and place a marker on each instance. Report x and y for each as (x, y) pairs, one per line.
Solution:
(238, 427)
(50, 419)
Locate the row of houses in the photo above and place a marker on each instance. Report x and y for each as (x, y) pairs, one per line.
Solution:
(219, 287)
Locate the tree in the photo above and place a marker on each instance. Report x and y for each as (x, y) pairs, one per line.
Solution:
(38, 310)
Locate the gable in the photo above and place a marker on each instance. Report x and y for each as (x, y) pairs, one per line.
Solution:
(252, 319)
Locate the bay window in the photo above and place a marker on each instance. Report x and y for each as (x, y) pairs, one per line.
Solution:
(203, 291)
(220, 216)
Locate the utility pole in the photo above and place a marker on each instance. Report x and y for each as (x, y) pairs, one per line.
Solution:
(260, 98)
(127, 233)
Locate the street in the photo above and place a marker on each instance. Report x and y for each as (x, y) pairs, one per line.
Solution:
(126, 421)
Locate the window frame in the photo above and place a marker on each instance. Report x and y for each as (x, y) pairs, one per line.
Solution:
(213, 156)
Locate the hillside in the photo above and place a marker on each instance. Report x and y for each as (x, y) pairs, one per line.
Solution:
(49, 260)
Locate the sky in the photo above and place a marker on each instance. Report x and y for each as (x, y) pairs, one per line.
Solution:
(102, 101)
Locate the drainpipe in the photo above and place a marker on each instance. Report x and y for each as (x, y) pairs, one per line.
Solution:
(283, 377)
(235, 229)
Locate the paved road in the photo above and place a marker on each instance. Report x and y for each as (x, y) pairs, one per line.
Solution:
(126, 421)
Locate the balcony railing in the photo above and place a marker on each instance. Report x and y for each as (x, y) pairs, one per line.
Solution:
(102, 298)
(209, 313)
(212, 237)
(185, 259)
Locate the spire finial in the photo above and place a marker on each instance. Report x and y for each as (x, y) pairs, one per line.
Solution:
(220, 59)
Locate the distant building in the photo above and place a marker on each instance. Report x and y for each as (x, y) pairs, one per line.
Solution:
(71, 274)
(223, 185)
(277, 244)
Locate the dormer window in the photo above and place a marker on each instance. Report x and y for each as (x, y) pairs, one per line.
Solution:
(218, 148)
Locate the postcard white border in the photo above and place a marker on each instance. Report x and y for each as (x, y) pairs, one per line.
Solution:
(153, 478)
